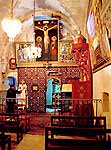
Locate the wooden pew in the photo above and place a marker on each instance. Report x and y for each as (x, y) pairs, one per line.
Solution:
(20, 108)
(5, 140)
(79, 121)
(71, 138)
(85, 126)
(24, 117)
(11, 123)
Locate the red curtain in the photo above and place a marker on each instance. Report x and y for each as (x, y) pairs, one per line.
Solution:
(81, 90)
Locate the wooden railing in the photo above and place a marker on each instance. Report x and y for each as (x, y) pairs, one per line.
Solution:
(20, 105)
(85, 107)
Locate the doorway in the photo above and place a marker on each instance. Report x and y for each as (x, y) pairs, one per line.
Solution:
(105, 102)
(52, 92)
(66, 94)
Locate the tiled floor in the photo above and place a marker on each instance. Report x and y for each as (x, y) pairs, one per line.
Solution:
(34, 139)
(31, 142)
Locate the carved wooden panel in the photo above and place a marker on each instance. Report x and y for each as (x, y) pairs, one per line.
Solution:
(39, 76)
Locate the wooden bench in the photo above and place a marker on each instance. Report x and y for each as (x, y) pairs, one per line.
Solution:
(5, 140)
(24, 117)
(19, 108)
(71, 138)
(11, 123)
(79, 121)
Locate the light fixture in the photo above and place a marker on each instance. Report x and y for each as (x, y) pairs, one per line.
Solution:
(34, 24)
(11, 25)
(33, 47)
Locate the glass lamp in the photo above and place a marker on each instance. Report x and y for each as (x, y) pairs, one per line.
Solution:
(11, 26)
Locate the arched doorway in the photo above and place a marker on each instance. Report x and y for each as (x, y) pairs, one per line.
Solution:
(53, 91)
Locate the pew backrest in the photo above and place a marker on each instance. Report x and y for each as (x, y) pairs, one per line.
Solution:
(79, 121)
(62, 137)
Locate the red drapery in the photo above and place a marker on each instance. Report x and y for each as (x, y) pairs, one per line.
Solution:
(81, 90)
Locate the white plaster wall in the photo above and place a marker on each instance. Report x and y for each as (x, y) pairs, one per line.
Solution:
(102, 83)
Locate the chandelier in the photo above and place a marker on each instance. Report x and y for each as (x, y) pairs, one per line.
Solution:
(11, 25)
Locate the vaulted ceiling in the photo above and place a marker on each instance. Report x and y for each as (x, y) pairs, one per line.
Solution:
(72, 12)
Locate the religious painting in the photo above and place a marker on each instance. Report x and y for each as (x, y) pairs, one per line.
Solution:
(24, 54)
(65, 51)
(46, 39)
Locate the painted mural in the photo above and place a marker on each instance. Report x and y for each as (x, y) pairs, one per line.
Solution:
(98, 36)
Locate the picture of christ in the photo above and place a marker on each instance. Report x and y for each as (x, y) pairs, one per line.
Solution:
(46, 31)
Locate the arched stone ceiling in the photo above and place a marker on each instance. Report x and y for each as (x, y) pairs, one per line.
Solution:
(72, 12)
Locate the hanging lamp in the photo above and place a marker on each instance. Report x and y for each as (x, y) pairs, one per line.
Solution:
(33, 47)
(11, 25)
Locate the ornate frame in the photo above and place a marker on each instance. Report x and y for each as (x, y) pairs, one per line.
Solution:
(46, 38)
(20, 48)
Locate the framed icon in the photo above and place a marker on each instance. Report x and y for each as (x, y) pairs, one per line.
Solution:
(35, 88)
(12, 63)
